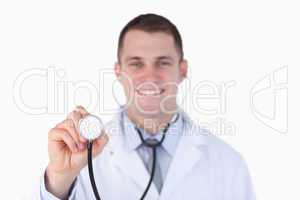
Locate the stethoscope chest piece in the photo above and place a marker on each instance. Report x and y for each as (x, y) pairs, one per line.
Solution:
(90, 127)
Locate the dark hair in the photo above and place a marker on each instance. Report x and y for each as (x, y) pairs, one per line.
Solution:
(152, 23)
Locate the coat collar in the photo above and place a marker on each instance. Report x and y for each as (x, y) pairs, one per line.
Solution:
(132, 166)
(172, 138)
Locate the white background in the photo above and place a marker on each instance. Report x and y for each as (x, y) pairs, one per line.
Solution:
(240, 41)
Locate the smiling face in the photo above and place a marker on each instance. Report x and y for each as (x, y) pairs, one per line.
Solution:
(150, 70)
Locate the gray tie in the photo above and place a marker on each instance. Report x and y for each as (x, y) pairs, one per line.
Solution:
(157, 179)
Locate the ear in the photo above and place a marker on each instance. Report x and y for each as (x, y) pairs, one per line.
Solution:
(117, 69)
(183, 69)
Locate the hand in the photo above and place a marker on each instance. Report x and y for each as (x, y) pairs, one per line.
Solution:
(68, 153)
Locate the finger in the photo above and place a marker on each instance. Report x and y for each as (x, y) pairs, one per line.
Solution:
(75, 116)
(61, 135)
(99, 144)
(69, 126)
(82, 111)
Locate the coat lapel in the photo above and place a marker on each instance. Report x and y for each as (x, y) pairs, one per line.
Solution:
(129, 162)
(187, 155)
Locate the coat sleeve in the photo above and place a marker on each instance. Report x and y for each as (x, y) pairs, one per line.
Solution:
(45, 195)
(242, 187)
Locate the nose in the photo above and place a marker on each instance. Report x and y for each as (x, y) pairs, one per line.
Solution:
(150, 73)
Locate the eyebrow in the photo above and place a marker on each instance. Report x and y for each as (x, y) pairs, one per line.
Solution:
(164, 57)
(133, 58)
(140, 58)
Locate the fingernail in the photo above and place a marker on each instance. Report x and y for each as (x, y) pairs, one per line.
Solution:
(81, 146)
(82, 139)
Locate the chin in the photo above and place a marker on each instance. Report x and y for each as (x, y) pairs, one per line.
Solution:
(149, 111)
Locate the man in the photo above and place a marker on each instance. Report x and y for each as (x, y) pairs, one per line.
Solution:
(191, 163)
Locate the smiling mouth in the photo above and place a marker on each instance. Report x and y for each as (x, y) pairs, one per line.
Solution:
(148, 92)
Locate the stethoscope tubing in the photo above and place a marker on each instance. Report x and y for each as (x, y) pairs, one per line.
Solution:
(153, 146)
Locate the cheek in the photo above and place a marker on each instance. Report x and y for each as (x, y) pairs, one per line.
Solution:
(126, 79)
(172, 82)
(130, 79)
(126, 85)
(129, 85)
(172, 89)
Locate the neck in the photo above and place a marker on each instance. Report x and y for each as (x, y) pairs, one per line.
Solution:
(151, 124)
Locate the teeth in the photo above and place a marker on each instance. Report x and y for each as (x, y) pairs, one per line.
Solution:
(149, 92)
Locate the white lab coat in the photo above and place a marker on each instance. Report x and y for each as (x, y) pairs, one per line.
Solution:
(203, 168)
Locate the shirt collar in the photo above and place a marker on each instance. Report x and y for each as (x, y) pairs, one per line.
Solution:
(172, 137)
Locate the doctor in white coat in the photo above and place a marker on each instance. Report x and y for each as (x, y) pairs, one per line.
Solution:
(191, 163)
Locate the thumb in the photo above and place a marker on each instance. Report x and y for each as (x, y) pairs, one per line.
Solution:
(99, 144)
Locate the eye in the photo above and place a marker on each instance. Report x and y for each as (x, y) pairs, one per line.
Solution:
(164, 63)
(136, 64)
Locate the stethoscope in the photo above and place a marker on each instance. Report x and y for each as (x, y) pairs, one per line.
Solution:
(91, 126)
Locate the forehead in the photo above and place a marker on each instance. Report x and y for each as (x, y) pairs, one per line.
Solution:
(146, 45)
